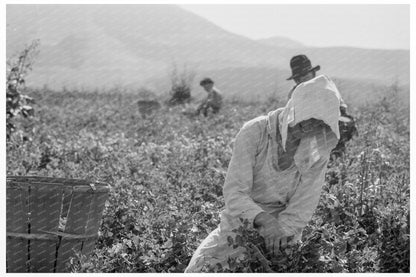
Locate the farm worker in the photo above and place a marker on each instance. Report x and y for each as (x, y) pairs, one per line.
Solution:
(276, 172)
(303, 71)
(213, 100)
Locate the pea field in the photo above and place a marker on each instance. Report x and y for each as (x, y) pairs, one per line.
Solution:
(166, 174)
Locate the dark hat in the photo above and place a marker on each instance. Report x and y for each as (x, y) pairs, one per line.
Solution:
(300, 66)
(206, 81)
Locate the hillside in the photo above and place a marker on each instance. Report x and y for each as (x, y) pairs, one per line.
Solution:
(102, 46)
(281, 42)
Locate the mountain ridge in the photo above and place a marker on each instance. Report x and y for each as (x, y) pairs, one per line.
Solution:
(98, 46)
(279, 41)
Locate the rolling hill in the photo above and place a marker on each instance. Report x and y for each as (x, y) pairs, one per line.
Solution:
(102, 46)
(281, 42)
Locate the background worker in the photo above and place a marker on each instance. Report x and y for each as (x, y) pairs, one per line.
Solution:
(213, 100)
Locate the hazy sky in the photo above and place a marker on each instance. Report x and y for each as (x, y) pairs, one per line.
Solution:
(369, 26)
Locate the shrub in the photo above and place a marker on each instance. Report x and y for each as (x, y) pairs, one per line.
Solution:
(181, 85)
(18, 103)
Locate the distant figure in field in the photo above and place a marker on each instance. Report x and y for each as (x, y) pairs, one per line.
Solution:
(213, 100)
(147, 107)
(302, 71)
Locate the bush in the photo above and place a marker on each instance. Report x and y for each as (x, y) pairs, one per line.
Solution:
(181, 85)
(18, 103)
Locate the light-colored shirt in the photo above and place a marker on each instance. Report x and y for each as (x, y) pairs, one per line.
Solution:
(262, 177)
(255, 182)
(214, 100)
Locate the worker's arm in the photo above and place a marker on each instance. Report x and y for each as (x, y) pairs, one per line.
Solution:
(201, 106)
(239, 178)
(311, 159)
(305, 200)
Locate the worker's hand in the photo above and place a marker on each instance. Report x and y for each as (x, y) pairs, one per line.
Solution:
(275, 237)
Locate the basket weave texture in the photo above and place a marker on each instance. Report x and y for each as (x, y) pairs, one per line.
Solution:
(49, 220)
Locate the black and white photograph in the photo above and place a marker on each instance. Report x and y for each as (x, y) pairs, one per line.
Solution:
(206, 137)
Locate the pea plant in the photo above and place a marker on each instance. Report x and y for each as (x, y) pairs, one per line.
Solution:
(18, 103)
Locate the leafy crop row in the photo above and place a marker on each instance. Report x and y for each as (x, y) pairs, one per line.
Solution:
(166, 174)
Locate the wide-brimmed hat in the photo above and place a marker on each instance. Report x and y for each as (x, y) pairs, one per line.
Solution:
(318, 98)
(300, 66)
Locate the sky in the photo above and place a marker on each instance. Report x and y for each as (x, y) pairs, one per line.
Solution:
(367, 26)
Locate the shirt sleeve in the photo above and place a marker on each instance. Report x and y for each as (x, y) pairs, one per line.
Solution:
(303, 203)
(217, 99)
(239, 180)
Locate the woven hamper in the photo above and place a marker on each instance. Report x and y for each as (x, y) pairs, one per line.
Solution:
(49, 220)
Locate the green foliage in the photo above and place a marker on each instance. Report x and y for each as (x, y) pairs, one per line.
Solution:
(17, 103)
(166, 175)
(181, 85)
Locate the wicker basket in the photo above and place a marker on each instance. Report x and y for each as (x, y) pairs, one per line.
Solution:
(51, 219)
